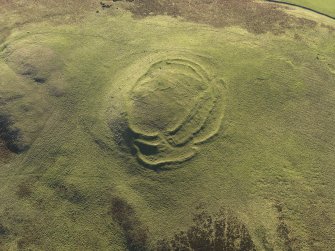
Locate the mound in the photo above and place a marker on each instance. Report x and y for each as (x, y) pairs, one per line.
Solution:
(170, 108)
(34, 62)
(29, 75)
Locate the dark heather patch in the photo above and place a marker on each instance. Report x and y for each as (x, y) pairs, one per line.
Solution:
(68, 192)
(256, 17)
(24, 190)
(3, 230)
(56, 92)
(222, 231)
(4, 152)
(10, 136)
(283, 230)
(7, 100)
(39, 80)
(136, 234)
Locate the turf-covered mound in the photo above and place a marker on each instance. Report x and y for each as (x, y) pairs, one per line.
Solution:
(171, 106)
(34, 62)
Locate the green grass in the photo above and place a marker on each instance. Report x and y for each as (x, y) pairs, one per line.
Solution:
(325, 6)
(271, 162)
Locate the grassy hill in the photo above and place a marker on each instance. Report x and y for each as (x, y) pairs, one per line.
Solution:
(166, 125)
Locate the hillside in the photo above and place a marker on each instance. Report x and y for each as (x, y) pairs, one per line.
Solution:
(166, 125)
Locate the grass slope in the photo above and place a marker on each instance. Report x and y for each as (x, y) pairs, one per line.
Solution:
(326, 6)
(69, 83)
